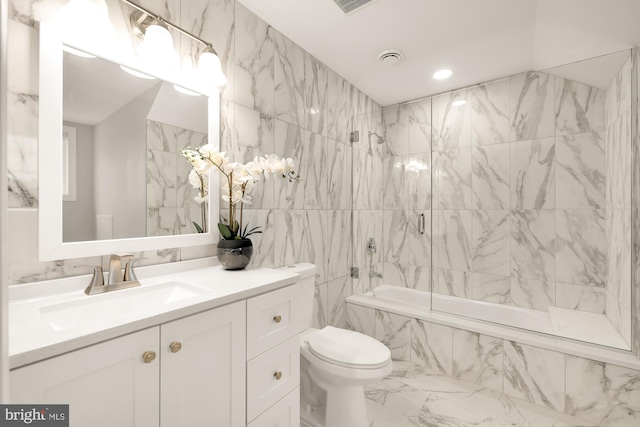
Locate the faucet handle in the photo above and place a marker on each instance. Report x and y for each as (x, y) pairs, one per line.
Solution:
(96, 280)
(129, 273)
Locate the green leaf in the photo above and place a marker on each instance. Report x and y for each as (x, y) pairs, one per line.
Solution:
(225, 231)
(200, 230)
(246, 233)
(252, 232)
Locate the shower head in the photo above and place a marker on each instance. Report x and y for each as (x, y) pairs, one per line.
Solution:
(379, 139)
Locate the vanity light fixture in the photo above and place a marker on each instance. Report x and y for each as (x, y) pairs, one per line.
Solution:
(209, 66)
(458, 103)
(442, 74)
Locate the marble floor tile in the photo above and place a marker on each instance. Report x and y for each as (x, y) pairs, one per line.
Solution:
(416, 396)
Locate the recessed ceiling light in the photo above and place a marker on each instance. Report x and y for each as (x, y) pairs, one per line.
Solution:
(458, 103)
(442, 74)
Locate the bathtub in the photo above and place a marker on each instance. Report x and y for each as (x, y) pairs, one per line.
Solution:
(568, 331)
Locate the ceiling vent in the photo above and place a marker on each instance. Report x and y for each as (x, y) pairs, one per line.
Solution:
(390, 57)
(349, 6)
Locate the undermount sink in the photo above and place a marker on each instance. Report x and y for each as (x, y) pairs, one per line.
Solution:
(107, 308)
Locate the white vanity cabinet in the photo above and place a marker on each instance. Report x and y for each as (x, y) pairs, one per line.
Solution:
(274, 322)
(189, 372)
(236, 365)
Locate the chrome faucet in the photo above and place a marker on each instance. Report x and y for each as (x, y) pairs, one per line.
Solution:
(375, 274)
(117, 280)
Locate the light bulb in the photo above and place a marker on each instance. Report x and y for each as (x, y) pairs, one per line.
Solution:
(85, 24)
(210, 68)
(157, 47)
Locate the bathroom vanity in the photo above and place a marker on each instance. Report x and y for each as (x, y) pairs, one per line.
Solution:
(216, 348)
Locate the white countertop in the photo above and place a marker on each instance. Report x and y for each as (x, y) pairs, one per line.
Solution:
(33, 338)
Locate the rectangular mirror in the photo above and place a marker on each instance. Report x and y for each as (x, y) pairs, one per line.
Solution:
(112, 177)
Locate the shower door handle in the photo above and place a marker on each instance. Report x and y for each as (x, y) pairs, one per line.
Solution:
(421, 226)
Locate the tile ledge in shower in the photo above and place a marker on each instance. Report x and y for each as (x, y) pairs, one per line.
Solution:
(589, 351)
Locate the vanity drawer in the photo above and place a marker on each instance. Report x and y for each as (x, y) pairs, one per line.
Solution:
(272, 318)
(271, 376)
(285, 413)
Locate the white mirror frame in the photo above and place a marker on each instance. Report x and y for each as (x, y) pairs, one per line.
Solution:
(51, 246)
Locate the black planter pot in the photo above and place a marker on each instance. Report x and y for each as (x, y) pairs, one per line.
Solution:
(235, 254)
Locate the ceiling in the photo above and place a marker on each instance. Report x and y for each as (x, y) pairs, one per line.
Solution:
(479, 40)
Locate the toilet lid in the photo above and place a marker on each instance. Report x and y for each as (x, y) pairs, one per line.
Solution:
(348, 348)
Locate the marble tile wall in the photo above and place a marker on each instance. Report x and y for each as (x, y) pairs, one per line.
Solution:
(526, 174)
(601, 393)
(280, 100)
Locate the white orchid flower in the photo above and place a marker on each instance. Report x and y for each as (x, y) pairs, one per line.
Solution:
(201, 199)
(254, 169)
(268, 164)
(207, 150)
(201, 165)
(194, 179)
(288, 164)
(219, 159)
(235, 197)
(229, 167)
(244, 174)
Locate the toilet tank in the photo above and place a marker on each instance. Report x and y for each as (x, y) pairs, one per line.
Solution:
(307, 274)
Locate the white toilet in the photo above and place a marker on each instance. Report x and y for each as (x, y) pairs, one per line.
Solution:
(335, 364)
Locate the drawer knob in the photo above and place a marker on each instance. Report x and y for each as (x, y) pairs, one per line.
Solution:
(149, 356)
(175, 347)
(277, 318)
(277, 375)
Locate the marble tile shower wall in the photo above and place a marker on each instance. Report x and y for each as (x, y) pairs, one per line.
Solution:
(279, 99)
(600, 393)
(523, 189)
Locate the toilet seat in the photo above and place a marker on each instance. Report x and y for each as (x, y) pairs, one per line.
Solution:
(348, 348)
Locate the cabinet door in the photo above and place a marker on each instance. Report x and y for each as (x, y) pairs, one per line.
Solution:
(105, 385)
(203, 369)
